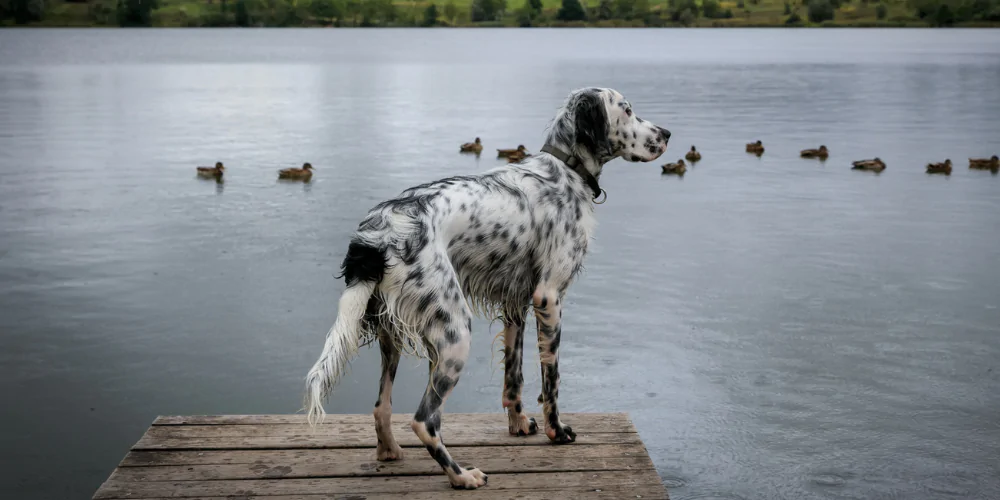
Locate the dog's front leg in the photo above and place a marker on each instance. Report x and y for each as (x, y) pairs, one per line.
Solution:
(518, 424)
(548, 311)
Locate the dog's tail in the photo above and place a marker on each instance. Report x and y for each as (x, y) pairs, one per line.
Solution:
(363, 269)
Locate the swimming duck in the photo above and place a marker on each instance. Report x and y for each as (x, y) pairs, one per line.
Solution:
(472, 147)
(505, 153)
(992, 163)
(304, 173)
(820, 153)
(675, 168)
(755, 147)
(874, 165)
(693, 155)
(940, 168)
(516, 157)
(210, 172)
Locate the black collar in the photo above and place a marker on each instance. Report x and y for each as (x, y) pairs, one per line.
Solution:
(575, 165)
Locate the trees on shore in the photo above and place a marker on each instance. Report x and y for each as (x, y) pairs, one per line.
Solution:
(496, 12)
(22, 11)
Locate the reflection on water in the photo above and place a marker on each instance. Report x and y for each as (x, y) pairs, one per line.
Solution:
(777, 327)
(306, 184)
(220, 183)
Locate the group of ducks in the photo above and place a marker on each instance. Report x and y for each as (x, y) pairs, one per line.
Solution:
(992, 164)
(679, 168)
(692, 156)
(822, 153)
(512, 155)
(756, 148)
(299, 174)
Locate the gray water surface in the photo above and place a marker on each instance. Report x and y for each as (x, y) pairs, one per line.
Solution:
(776, 327)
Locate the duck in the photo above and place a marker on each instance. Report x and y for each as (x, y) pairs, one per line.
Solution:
(472, 147)
(505, 153)
(516, 157)
(693, 155)
(873, 165)
(992, 163)
(675, 168)
(755, 147)
(304, 173)
(940, 168)
(212, 172)
(820, 153)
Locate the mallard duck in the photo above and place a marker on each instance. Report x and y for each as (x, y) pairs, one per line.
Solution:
(820, 153)
(675, 168)
(992, 163)
(516, 157)
(212, 172)
(874, 165)
(472, 147)
(304, 173)
(505, 153)
(755, 147)
(940, 168)
(693, 155)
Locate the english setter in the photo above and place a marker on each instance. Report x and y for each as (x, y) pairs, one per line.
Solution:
(421, 264)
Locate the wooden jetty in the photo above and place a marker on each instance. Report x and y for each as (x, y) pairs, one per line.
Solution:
(278, 457)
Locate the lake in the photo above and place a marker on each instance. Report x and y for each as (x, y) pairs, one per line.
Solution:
(777, 327)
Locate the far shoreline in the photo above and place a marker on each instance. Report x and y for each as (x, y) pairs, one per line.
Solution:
(42, 26)
(483, 14)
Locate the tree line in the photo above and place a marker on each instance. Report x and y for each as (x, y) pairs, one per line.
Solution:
(485, 12)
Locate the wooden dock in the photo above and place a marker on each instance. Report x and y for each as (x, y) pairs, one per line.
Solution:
(278, 457)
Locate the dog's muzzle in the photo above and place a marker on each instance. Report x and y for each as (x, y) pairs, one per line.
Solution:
(664, 134)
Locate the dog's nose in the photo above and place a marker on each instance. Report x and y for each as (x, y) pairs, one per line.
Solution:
(664, 134)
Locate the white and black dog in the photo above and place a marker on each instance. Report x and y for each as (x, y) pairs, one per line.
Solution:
(421, 264)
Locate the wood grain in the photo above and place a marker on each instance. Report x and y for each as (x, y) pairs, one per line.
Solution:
(280, 457)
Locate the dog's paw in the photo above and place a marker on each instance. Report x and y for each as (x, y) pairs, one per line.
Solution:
(520, 425)
(389, 453)
(469, 479)
(562, 434)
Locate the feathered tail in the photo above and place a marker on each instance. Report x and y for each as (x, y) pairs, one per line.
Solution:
(340, 347)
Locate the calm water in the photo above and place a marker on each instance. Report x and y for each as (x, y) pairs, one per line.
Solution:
(777, 327)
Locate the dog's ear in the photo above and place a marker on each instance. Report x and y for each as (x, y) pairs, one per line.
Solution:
(591, 123)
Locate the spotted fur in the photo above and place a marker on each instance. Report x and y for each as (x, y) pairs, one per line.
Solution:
(421, 264)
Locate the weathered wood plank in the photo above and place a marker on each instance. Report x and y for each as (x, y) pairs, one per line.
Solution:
(583, 420)
(366, 430)
(279, 457)
(116, 488)
(644, 492)
(455, 438)
(414, 465)
(496, 465)
(364, 455)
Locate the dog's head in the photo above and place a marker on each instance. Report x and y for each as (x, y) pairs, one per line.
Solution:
(601, 122)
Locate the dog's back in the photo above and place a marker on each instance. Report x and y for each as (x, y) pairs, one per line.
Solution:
(484, 236)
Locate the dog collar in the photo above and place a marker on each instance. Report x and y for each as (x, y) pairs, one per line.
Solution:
(574, 164)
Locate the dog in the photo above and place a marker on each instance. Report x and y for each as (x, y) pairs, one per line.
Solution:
(421, 264)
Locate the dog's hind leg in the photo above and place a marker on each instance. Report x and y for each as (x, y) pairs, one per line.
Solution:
(450, 334)
(547, 302)
(387, 447)
(518, 424)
